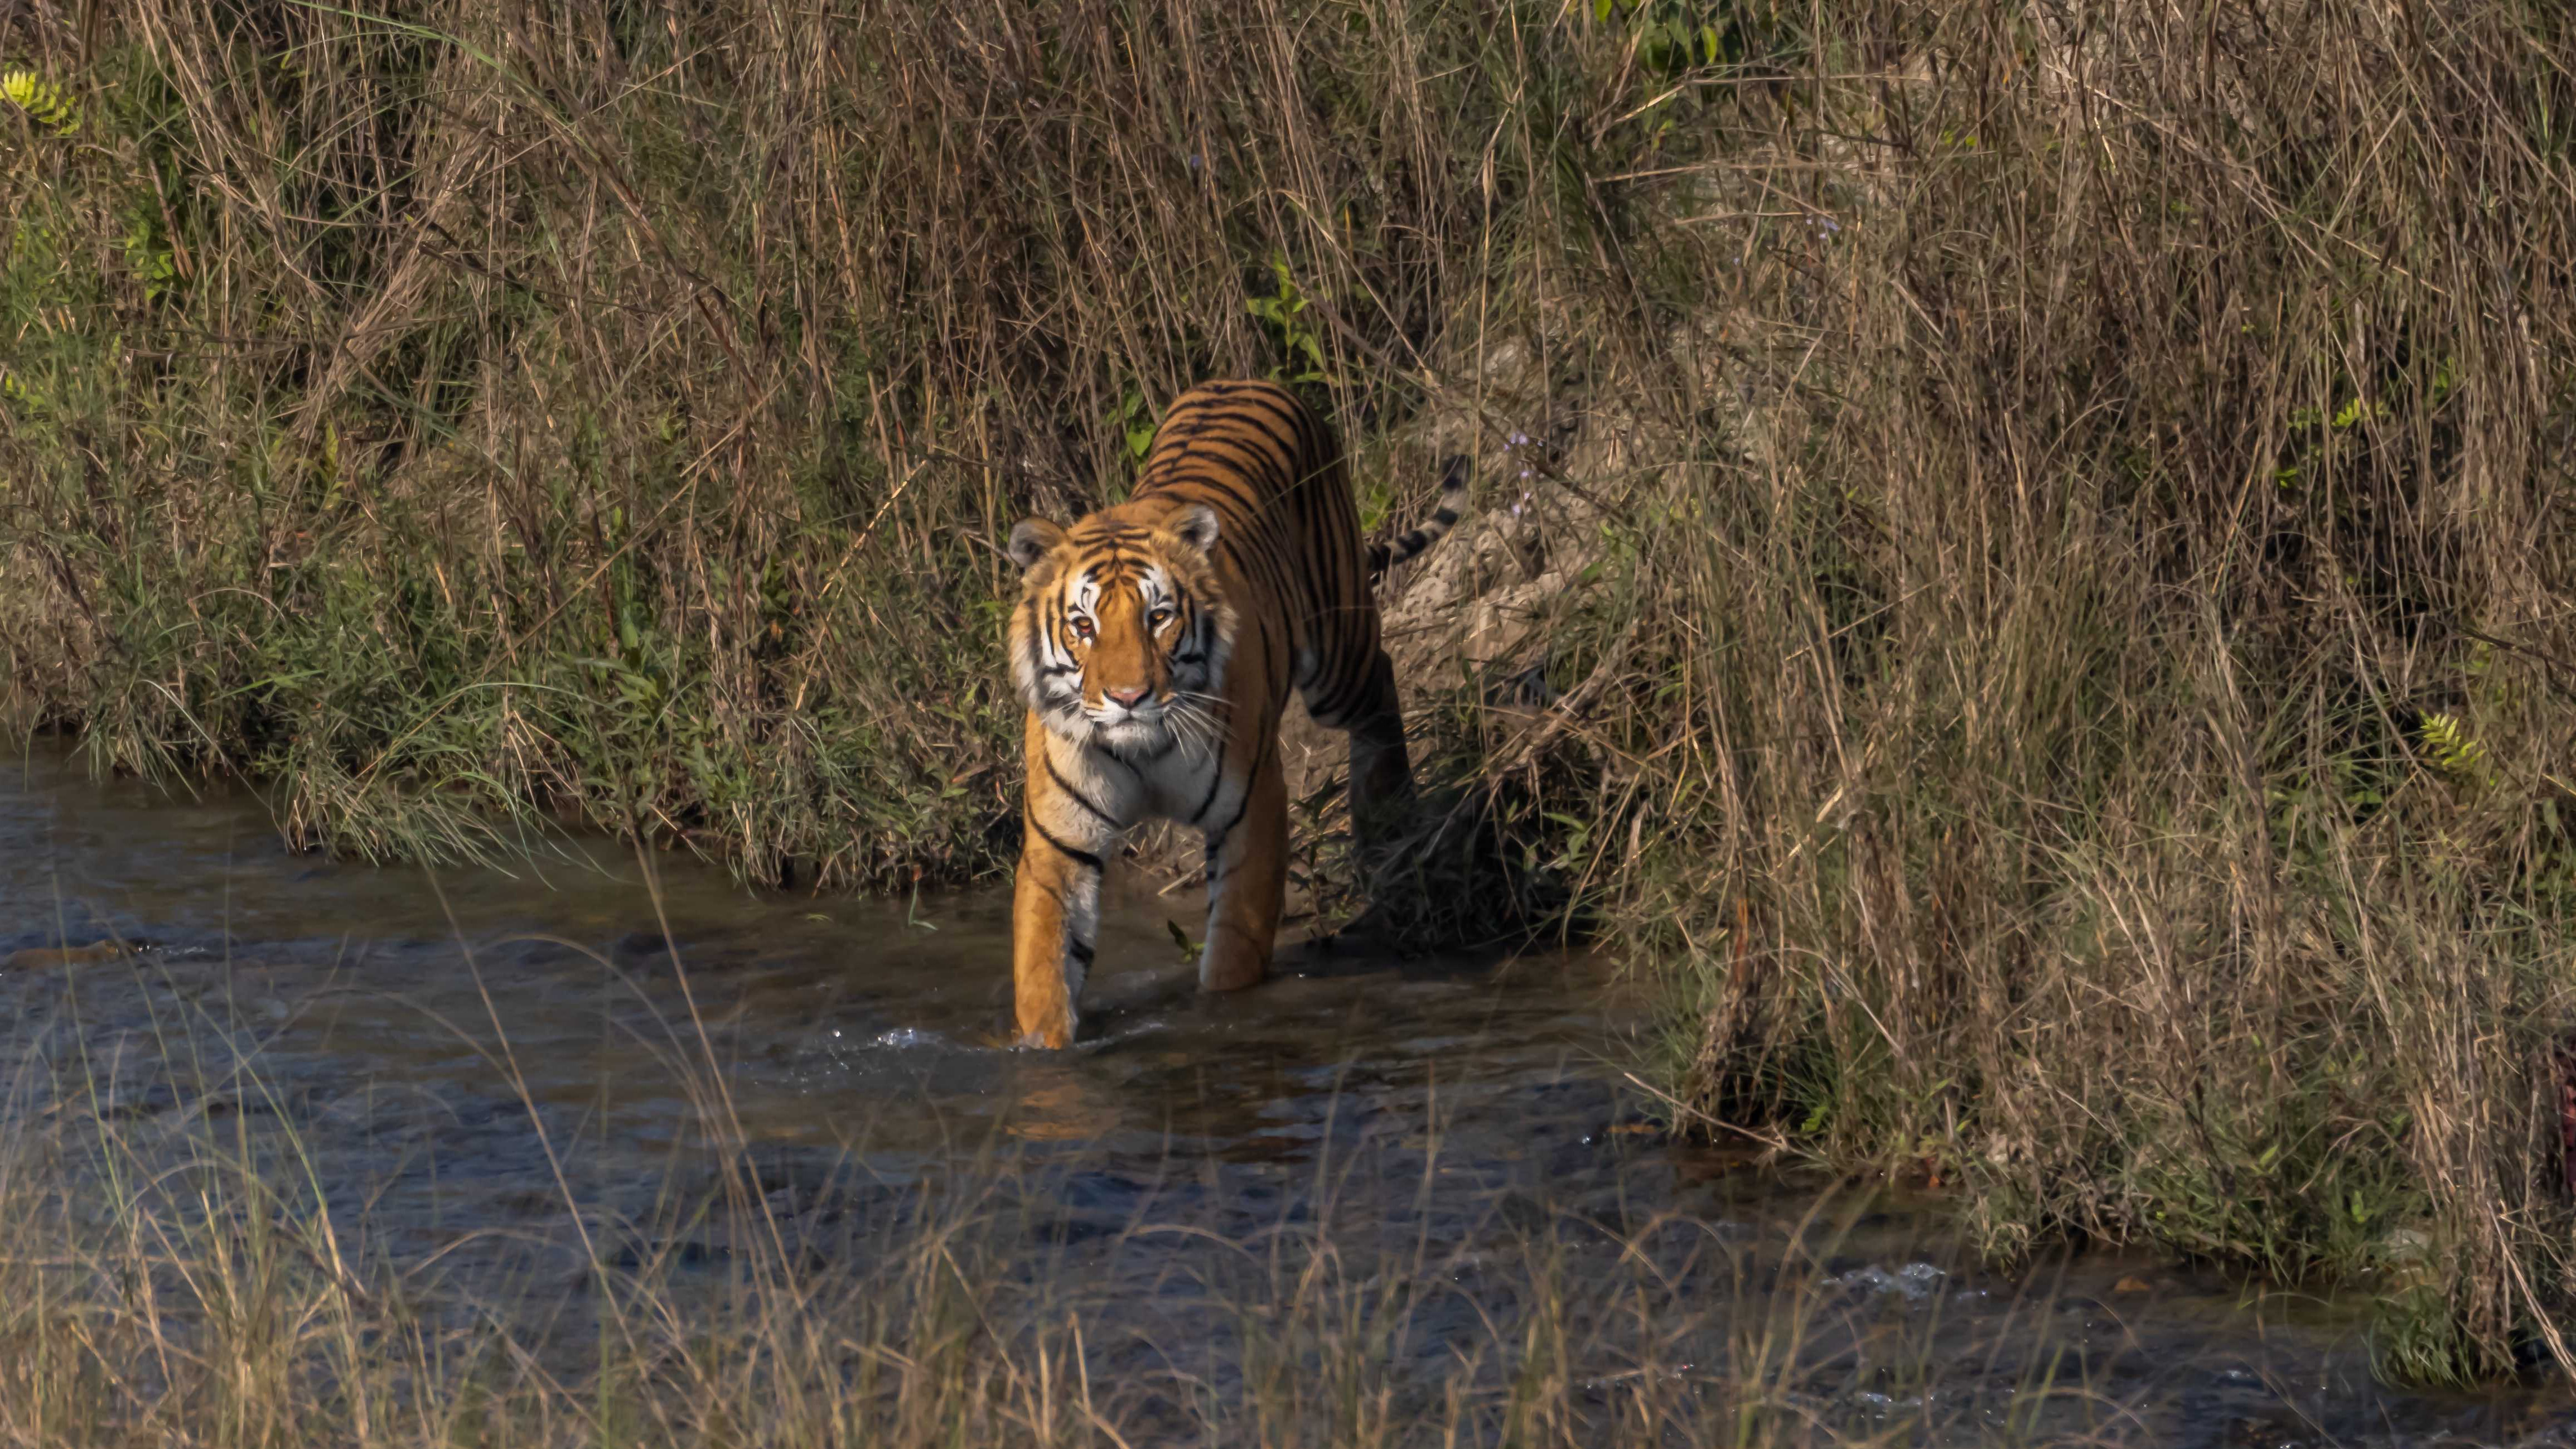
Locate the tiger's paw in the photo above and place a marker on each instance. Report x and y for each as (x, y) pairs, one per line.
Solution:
(1231, 975)
(1049, 1036)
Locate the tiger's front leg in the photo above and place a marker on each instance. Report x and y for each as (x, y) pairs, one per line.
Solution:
(1067, 830)
(1247, 863)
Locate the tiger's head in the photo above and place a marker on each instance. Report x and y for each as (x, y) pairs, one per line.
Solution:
(1122, 630)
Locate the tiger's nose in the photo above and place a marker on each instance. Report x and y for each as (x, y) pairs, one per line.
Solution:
(1130, 698)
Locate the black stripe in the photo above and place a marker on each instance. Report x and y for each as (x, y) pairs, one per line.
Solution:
(1067, 786)
(1217, 837)
(1330, 702)
(1201, 416)
(1078, 948)
(1269, 461)
(1310, 593)
(1201, 413)
(1215, 784)
(1337, 657)
(1078, 857)
(1217, 490)
(1260, 566)
(1272, 647)
(1285, 406)
(1282, 406)
(1276, 430)
(1221, 482)
(1453, 483)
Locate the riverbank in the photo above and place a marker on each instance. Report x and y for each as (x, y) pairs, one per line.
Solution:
(2035, 586)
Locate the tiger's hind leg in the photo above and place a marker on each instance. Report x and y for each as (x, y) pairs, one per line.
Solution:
(1381, 786)
(1381, 769)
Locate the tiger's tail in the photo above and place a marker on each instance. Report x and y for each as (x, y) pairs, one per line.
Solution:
(1453, 498)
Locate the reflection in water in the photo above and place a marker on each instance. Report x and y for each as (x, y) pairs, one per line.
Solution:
(515, 1076)
(1059, 1103)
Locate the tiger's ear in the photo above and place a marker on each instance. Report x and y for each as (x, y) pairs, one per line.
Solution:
(1033, 539)
(1194, 525)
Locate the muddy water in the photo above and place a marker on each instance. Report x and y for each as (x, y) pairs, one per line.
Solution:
(472, 1050)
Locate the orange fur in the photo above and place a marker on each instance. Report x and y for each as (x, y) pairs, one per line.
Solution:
(1156, 643)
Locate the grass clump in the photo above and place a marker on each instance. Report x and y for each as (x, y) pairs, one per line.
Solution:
(2065, 652)
(2114, 712)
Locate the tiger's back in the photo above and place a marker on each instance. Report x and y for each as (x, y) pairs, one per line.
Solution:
(1271, 469)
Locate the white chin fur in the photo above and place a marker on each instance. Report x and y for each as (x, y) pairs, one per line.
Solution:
(1131, 734)
(1076, 727)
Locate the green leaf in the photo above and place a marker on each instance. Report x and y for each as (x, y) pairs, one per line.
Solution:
(2454, 752)
(43, 101)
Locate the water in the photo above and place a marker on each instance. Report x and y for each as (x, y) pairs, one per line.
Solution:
(471, 1051)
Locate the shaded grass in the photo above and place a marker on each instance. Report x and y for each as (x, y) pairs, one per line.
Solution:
(2051, 469)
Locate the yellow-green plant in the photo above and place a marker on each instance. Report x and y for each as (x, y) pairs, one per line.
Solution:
(1301, 343)
(2453, 751)
(42, 100)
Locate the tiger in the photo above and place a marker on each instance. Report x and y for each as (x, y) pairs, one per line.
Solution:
(1155, 643)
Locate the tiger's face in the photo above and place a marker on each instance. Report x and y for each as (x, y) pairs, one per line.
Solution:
(1122, 631)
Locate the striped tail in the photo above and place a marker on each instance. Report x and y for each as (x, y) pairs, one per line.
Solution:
(1453, 497)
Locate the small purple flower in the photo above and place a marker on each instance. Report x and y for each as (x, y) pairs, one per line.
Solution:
(1194, 161)
(1517, 440)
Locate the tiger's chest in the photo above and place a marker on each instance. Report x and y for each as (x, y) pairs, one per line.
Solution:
(1193, 786)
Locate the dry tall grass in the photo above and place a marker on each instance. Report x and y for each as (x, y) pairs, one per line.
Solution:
(2077, 660)
(2127, 694)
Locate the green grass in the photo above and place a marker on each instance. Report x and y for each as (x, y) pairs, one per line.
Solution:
(2071, 665)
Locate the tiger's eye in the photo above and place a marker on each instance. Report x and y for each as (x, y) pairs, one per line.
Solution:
(1158, 617)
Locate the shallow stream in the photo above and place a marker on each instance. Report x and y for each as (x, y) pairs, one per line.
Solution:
(472, 1050)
